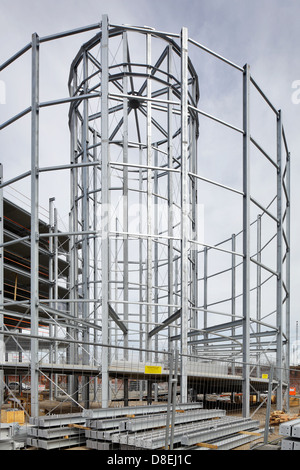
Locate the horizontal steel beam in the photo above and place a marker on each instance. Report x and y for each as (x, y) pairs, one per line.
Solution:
(70, 32)
(144, 410)
(218, 429)
(142, 423)
(57, 420)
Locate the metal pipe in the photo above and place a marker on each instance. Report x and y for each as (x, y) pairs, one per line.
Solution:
(15, 118)
(218, 56)
(220, 121)
(69, 33)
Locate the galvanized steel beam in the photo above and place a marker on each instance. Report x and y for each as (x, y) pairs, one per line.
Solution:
(184, 213)
(105, 176)
(246, 242)
(34, 257)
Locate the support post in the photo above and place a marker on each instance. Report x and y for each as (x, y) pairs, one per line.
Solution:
(233, 292)
(172, 395)
(104, 210)
(246, 242)
(85, 216)
(34, 276)
(171, 365)
(72, 350)
(51, 289)
(125, 191)
(184, 212)
(279, 358)
(258, 299)
(96, 245)
(288, 261)
(205, 289)
(170, 200)
(174, 399)
(149, 287)
(73, 220)
(155, 261)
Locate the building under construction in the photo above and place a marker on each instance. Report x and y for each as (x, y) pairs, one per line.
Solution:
(167, 286)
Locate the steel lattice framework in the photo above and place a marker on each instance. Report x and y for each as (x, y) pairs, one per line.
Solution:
(139, 267)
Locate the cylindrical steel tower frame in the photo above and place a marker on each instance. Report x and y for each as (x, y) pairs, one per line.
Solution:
(139, 267)
(140, 141)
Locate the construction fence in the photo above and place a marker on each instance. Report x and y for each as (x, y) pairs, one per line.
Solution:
(145, 409)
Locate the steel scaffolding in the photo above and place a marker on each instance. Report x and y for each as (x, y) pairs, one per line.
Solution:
(140, 271)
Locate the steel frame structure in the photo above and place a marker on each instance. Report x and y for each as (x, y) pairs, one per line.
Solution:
(136, 255)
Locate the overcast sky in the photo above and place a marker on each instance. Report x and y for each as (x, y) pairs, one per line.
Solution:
(263, 33)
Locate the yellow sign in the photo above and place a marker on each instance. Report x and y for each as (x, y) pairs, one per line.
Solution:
(153, 369)
(264, 376)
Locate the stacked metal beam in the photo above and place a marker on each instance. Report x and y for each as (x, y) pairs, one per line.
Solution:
(291, 432)
(57, 431)
(143, 427)
(104, 424)
(198, 428)
(229, 427)
(8, 437)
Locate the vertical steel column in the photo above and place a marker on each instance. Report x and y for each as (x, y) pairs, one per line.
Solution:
(51, 289)
(141, 264)
(288, 261)
(85, 217)
(72, 350)
(55, 246)
(34, 253)
(258, 289)
(246, 242)
(116, 355)
(105, 208)
(85, 197)
(174, 389)
(55, 265)
(170, 395)
(233, 292)
(205, 295)
(184, 212)
(125, 189)
(97, 339)
(73, 220)
(2, 350)
(205, 288)
(149, 318)
(51, 252)
(170, 198)
(194, 215)
(156, 263)
(279, 357)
